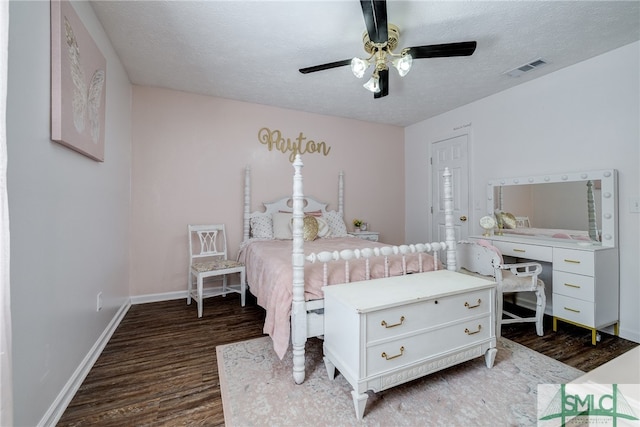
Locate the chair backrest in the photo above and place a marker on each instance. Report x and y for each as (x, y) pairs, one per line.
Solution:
(207, 241)
(476, 258)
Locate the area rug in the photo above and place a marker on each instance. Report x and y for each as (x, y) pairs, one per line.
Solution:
(258, 390)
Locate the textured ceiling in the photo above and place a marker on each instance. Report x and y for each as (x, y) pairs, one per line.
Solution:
(251, 51)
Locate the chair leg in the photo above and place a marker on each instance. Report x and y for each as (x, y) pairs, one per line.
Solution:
(189, 287)
(541, 304)
(499, 304)
(224, 285)
(200, 296)
(243, 287)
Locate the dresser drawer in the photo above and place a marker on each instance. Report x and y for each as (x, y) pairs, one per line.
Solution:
(523, 250)
(404, 351)
(574, 285)
(396, 321)
(371, 237)
(573, 261)
(574, 310)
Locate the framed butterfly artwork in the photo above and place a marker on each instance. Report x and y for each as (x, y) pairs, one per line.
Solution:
(78, 84)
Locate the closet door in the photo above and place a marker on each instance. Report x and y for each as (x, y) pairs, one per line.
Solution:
(450, 153)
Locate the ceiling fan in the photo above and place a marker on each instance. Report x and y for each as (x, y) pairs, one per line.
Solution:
(380, 39)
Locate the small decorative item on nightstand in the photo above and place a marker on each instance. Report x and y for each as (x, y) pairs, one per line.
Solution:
(359, 225)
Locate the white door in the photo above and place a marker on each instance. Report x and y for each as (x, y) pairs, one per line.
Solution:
(450, 153)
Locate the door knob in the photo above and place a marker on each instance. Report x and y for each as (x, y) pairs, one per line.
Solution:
(463, 218)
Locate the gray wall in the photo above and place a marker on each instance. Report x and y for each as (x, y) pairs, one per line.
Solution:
(69, 217)
(583, 117)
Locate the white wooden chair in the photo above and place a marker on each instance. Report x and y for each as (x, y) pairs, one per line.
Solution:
(208, 258)
(480, 260)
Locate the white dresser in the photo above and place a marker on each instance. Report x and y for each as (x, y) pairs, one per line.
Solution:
(585, 278)
(385, 332)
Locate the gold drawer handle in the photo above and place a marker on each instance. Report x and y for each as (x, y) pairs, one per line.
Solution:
(519, 250)
(572, 261)
(393, 357)
(468, 332)
(571, 309)
(466, 304)
(384, 323)
(572, 286)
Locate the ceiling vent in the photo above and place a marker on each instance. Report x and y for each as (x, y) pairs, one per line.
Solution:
(517, 72)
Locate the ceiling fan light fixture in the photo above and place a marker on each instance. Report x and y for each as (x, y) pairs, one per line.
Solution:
(359, 66)
(380, 39)
(403, 64)
(373, 85)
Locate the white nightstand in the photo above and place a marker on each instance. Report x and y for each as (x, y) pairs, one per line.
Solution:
(366, 235)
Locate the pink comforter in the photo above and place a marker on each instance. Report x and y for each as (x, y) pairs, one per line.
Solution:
(269, 275)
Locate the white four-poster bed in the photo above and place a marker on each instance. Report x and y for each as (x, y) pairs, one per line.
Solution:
(287, 275)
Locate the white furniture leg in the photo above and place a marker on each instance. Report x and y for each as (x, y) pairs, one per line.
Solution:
(200, 290)
(331, 368)
(541, 303)
(359, 401)
(490, 356)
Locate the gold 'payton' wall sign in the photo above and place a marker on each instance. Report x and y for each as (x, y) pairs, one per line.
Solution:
(274, 140)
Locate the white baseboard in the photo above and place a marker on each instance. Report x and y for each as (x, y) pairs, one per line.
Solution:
(167, 296)
(57, 408)
(629, 334)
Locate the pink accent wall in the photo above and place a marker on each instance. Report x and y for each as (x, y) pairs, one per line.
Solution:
(189, 154)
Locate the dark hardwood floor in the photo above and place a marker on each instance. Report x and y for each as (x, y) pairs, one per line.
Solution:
(160, 369)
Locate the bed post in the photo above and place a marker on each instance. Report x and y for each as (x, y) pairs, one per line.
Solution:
(449, 231)
(247, 202)
(298, 307)
(341, 194)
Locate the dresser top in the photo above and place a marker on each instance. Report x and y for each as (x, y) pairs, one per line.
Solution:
(581, 245)
(388, 292)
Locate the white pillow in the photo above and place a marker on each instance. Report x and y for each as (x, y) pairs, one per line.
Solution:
(323, 227)
(336, 224)
(261, 227)
(282, 225)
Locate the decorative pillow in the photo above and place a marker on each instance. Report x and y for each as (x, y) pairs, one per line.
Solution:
(323, 227)
(282, 225)
(312, 213)
(261, 227)
(309, 228)
(336, 224)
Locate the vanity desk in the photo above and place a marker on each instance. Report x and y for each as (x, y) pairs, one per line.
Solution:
(584, 278)
(575, 216)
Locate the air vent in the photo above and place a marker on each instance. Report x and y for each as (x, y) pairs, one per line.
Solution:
(517, 72)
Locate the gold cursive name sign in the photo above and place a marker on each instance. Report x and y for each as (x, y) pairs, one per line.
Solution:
(300, 145)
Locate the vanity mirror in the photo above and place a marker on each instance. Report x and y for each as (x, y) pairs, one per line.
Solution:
(580, 205)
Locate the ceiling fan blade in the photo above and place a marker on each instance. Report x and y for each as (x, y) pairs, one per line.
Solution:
(325, 66)
(443, 50)
(375, 19)
(384, 84)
